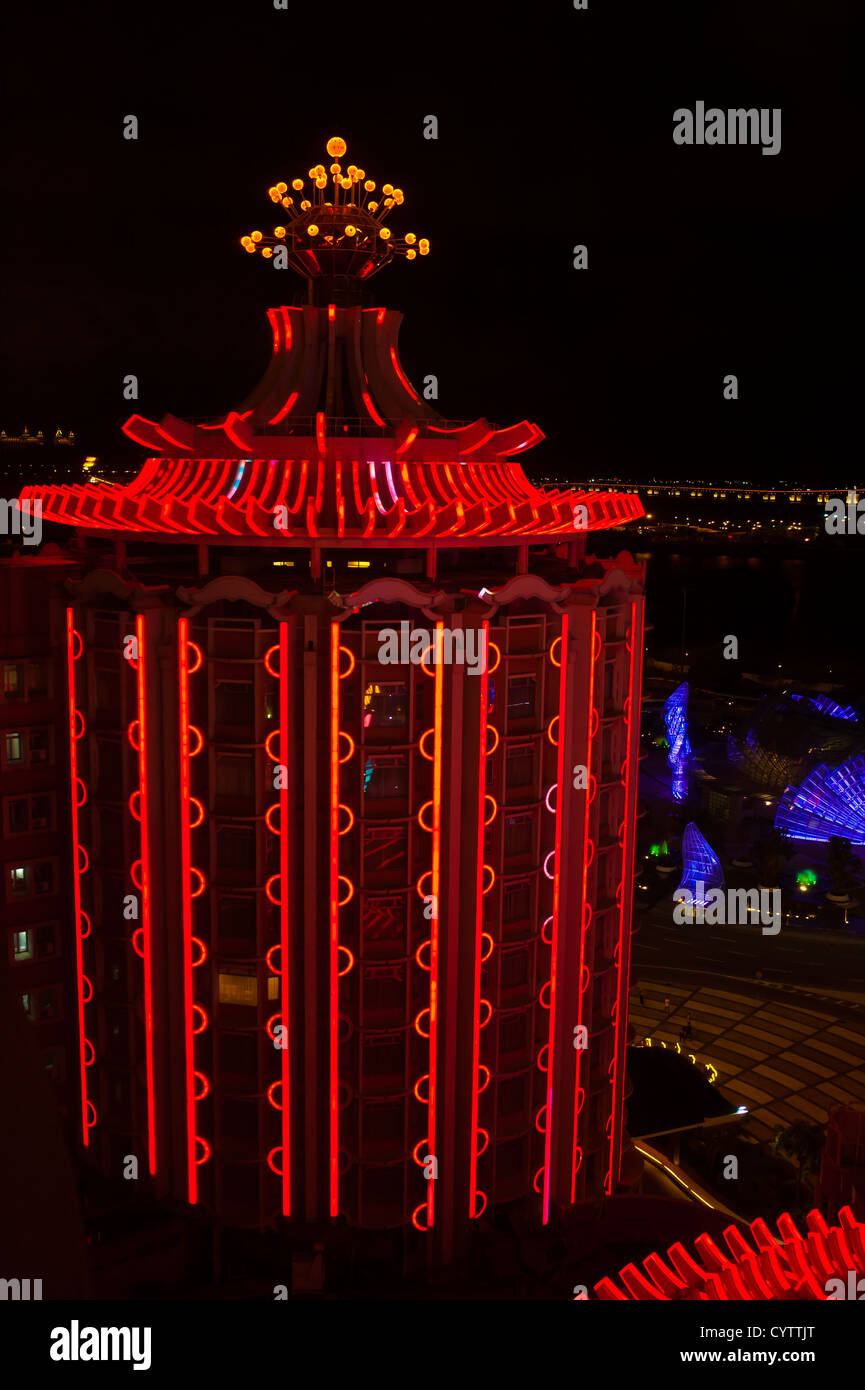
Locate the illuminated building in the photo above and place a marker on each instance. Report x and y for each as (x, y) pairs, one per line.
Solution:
(342, 924)
(830, 801)
(700, 866)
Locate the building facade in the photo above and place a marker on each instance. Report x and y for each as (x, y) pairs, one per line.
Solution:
(350, 741)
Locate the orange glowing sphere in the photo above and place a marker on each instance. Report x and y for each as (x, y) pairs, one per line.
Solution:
(336, 147)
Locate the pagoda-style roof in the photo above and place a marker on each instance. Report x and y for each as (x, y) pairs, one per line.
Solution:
(335, 442)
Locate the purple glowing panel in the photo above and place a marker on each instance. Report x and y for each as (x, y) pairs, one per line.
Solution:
(700, 864)
(830, 801)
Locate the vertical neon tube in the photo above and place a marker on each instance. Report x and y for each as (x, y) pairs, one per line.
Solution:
(186, 907)
(141, 673)
(283, 917)
(76, 871)
(434, 920)
(479, 922)
(560, 791)
(334, 916)
(584, 896)
(622, 994)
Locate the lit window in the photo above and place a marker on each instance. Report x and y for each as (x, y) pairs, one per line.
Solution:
(14, 748)
(20, 879)
(12, 683)
(238, 989)
(22, 945)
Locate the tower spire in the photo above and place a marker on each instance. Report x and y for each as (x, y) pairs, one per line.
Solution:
(336, 232)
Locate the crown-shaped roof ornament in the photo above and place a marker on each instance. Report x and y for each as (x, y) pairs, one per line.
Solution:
(337, 226)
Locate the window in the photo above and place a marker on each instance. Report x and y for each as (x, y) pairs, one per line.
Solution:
(515, 968)
(23, 814)
(518, 836)
(236, 921)
(520, 766)
(384, 850)
(13, 681)
(516, 901)
(385, 776)
(22, 945)
(238, 989)
(234, 776)
(521, 697)
(235, 847)
(234, 704)
(385, 705)
(514, 1033)
(40, 746)
(15, 750)
(20, 880)
(383, 922)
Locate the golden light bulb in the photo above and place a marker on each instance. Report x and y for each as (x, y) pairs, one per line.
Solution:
(336, 168)
(256, 236)
(351, 170)
(279, 232)
(350, 230)
(387, 188)
(312, 229)
(287, 202)
(398, 194)
(336, 147)
(313, 173)
(305, 205)
(410, 255)
(369, 185)
(410, 238)
(281, 188)
(361, 173)
(389, 202)
(297, 183)
(385, 234)
(266, 252)
(250, 248)
(345, 183)
(321, 183)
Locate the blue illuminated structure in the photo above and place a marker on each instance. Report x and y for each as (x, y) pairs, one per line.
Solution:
(676, 720)
(700, 865)
(821, 704)
(830, 801)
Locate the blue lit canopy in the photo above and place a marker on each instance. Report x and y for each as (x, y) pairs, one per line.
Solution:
(700, 864)
(821, 704)
(830, 801)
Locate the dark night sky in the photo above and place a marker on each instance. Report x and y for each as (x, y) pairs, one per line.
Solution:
(555, 128)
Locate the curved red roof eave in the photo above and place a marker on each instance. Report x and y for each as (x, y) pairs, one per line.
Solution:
(295, 465)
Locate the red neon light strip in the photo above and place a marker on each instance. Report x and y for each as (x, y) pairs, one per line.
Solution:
(435, 884)
(560, 786)
(283, 918)
(585, 893)
(479, 919)
(76, 873)
(402, 376)
(334, 916)
(186, 907)
(621, 995)
(141, 675)
(281, 414)
(367, 400)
